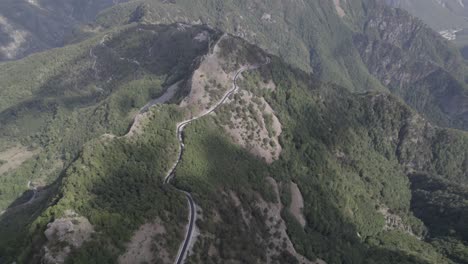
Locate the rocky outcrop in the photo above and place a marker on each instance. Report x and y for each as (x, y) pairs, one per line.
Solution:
(65, 234)
(297, 204)
(394, 222)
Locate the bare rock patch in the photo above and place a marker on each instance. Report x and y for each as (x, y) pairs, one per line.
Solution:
(255, 127)
(297, 204)
(147, 245)
(278, 229)
(65, 234)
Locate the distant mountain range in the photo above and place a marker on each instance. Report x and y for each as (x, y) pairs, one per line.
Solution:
(234, 131)
(28, 26)
(439, 14)
(448, 17)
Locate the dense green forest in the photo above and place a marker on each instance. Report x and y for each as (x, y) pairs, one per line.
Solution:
(381, 182)
(81, 93)
(372, 47)
(75, 97)
(362, 128)
(352, 155)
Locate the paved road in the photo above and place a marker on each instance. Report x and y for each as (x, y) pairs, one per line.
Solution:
(171, 174)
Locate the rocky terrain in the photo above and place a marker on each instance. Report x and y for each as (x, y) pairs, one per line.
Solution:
(258, 131)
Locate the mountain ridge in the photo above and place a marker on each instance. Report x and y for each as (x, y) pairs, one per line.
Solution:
(342, 154)
(320, 48)
(371, 127)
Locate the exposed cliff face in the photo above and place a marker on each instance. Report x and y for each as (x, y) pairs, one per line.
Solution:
(415, 64)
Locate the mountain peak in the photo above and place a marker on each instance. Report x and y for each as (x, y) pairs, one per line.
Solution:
(230, 132)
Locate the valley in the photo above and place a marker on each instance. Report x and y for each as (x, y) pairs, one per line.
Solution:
(242, 131)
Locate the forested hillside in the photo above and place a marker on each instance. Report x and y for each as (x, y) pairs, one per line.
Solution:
(362, 163)
(327, 39)
(81, 92)
(30, 26)
(299, 131)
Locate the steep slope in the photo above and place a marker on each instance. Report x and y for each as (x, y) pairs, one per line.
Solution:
(292, 168)
(448, 17)
(415, 64)
(28, 26)
(438, 14)
(340, 139)
(308, 34)
(83, 91)
(334, 39)
(363, 165)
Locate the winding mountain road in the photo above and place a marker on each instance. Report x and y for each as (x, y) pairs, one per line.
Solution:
(171, 174)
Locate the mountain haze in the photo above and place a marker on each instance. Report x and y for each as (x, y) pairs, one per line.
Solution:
(261, 131)
(29, 26)
(317, 37)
